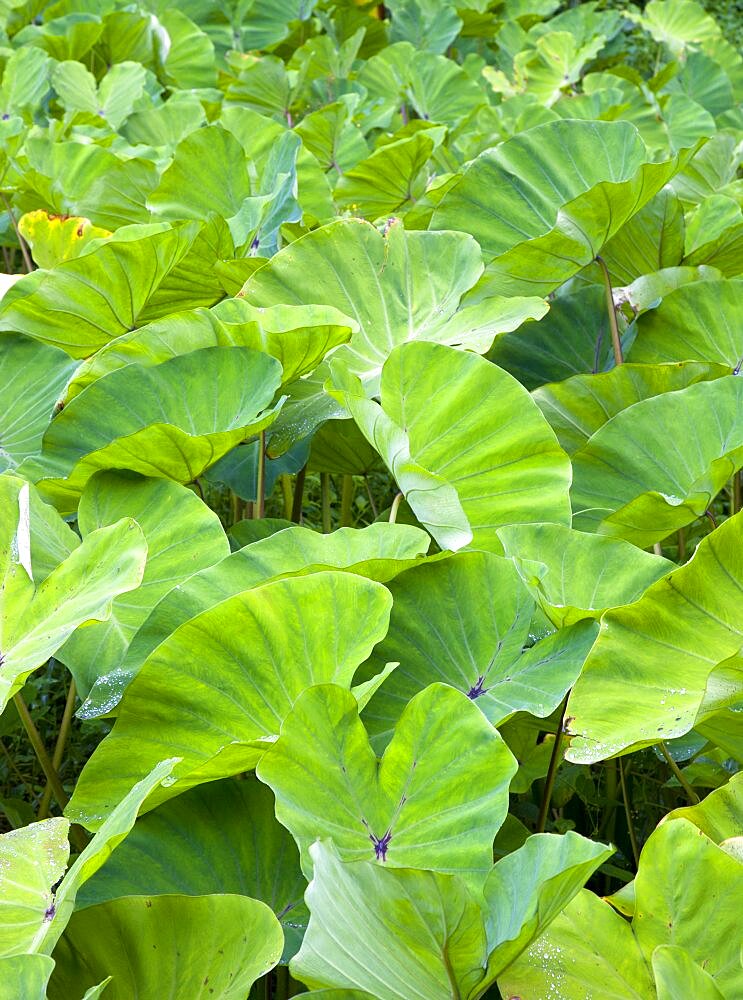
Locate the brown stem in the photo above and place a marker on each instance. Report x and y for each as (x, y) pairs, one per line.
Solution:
(40, 750)
(549, 783)
(690, 793)
(327, 525)
(298, 493)
(286, 491)
(347, 494)
(615, 340)
(395, 507)
(21, 242)
(628, 814)
(371, 498)
(259, 510)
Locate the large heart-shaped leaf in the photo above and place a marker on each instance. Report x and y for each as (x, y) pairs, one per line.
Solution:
(465, 621)
(35, 619)
(575, 575)
(218, 838)
(445, 770)
(484, 457)
(676, 973)
(399, 287)
(83, 303)
(379, 552)
(26, 976)
(657, 465)
(542, 204)
(228, 677)
(175, 946)
(183, 536)
(139, 418)
(646, 676)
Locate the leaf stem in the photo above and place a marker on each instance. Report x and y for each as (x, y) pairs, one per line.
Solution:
(371, 498)
(286, 490)
(347, 495)
(21, 242)
(64, 731)
(40, 750)
(298, 494)
(611, 310)
(628, 814)
(327, 524)
(549, 783)
(690, 793)
(259, 510)
(395, 507)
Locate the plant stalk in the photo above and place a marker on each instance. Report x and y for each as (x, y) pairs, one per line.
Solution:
(371, 498)
(64, 731)
(40, 750)
(286, 492)
(395, 507)
(628, 814)
(327, 524)
(28, 263)
(611, 310)
(259, 510)
(549, 782)
(690, 793)
(737, 492)
(347, 495)
(298, 494)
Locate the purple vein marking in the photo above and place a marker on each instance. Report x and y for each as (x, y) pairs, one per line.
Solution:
(477, 689)
(380, 846)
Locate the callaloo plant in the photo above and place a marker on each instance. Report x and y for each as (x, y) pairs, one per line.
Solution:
(371, 512)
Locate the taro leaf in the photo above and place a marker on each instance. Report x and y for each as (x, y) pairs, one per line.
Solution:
(84, 303)
(677, 23)
(657, 465)
(240, 471)
(646, 292)
(578, 406)
(35, 619)
(677, 975)
(389, 180)
(340, 447)
(482, 458)
(183, 536)
(538, 880)
(700, 321)
(714, 235)
(693, 619)
(487, 614)
(37, 900)
(25, 81)
(307, 407)
(425, 23)
(435, 800)
(174, 946)
(228, 677)
(539, 221)
(652, 239)
(112, 100)
(218, 838)
(379, 552)
(699, 912)
(407, 935)
(250, 530)
(399, 287)
(330, 135)
(589, 950)
(54, 239)
(411, 934)
(139, 418)
(32, 379)
(189, 62)
(25, 976)
(299, 337)
(720, 815)
(574, 575)
(572, 338)
(32, 860)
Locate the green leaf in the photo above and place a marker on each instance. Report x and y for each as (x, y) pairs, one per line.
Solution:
(183, 536)
(402, 286)
(35, 619)
(25, 976)
(112, 100)
(539, 222)
(719, 815)
(652, 239)
(32, 860)
(677, 23)
(67, 37)
(714, 235)
(442, 629)
(444, 772)
(388, 180)
(577, 407)
(406, 935)
(171, 946)
(84, 303)
(53, 239)
(574, 575)
(699, 321)
(427, 24)
(676, 975)
(589, 950)
(32, 378)
(218, 838)
(138, 418)
(379, 552)
(625, 695)
(25, 81)
(539, 879)
(703, 918)
(657, 465)
(226, 679)
(484, 457)
(190, 61)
